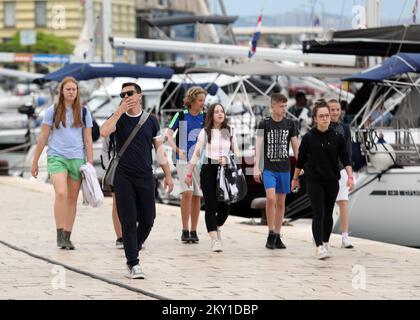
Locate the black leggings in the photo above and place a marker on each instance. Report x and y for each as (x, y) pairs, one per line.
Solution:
(322, 196)
(135, 199)
(216, 212)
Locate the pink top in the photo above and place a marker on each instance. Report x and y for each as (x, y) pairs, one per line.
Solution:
(219, 146)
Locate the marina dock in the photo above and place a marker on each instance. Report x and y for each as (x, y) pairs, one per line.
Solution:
(32, 267)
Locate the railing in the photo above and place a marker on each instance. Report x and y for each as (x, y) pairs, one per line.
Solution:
(404, 149)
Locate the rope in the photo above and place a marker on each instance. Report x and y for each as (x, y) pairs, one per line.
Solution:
(85, 273)
(14, 148)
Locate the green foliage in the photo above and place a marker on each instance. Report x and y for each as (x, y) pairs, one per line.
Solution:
(45, 43)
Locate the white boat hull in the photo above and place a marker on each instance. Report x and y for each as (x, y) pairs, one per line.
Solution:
(387, 209)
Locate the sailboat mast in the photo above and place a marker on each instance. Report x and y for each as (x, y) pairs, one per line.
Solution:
(373, 15)
(89, 16)
(230, 30)
(106, 30)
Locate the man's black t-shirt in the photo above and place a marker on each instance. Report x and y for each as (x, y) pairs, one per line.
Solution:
(137, 158)
(277, 137)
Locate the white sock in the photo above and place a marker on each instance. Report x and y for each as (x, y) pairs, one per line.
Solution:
(345, 234)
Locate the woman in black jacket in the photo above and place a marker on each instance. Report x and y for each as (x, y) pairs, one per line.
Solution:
(319, 152)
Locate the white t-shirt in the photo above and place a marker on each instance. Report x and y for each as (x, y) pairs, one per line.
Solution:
(219, 146)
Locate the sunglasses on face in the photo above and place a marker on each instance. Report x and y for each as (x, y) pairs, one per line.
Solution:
(128, 93)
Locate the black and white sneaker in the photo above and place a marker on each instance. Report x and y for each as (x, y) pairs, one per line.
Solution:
(194, 237)
(136, 272)
(119, 243)
(185, 236)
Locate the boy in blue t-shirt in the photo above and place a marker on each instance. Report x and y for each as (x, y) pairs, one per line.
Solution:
(187, 124)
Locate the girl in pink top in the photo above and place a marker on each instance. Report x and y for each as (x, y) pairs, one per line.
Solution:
(216, 140)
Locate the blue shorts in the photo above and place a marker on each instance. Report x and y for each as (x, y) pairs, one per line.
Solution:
(278, 180)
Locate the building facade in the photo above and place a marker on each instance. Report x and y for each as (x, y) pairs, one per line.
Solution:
(64, 18)
(153, 9)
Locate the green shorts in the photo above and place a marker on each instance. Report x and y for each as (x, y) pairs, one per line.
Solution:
(71, 166)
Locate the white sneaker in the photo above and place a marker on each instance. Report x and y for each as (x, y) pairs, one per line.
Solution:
(346, 243)
(219, 234)
(321, 254)
(327, 248)
(216, 245)
(136, 272)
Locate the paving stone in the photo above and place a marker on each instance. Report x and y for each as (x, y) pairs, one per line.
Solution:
(244, 270)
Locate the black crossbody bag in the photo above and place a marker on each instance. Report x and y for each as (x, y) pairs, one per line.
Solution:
(108, 180)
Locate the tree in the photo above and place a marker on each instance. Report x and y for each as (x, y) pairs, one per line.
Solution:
(45, 43)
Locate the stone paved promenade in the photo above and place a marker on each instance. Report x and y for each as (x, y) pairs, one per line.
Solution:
(244, 270)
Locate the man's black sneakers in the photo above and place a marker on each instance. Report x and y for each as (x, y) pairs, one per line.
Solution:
(279, 243)
(194, 237)
(271, 241)
(185, 237)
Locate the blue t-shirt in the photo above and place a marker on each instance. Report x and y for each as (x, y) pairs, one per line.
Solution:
(136, 161)
(66, 142)
(188, 131)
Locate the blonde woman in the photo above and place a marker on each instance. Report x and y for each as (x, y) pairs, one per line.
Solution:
(67, 129)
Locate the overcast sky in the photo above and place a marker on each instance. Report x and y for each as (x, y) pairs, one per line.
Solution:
(391, 9)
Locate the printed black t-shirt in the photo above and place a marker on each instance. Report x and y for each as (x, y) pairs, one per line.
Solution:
(277, 137)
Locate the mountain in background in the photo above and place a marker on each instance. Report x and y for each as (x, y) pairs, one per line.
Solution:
(305, 19)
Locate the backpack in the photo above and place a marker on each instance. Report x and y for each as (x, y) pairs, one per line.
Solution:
(181, 116)
(108, 151)
(95, 129)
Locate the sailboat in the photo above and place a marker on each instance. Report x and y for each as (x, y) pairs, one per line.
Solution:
(385, 204)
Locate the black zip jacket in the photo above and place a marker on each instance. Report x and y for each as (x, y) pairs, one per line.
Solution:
(344, 130)
(319, 155)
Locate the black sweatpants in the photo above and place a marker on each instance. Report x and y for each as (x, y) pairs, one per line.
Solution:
(322, 196)
(135, 199)
(216, 212)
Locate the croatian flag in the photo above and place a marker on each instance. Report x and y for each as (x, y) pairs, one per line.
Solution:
(416, 3)
(255, 37)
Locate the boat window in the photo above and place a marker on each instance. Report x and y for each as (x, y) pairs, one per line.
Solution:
(96, 102)
(107, 108)
(151, 101)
